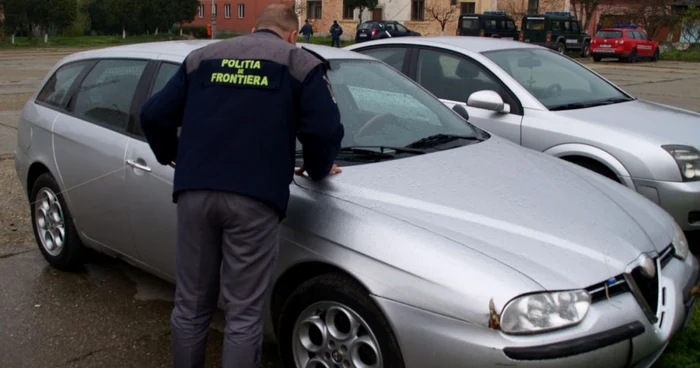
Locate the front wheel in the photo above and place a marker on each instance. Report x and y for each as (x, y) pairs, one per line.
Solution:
(52, 222)
(561, 48)
(586, 50)
(330, 321)
(656, 55)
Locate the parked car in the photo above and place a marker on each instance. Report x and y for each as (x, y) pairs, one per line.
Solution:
(378, 29)
(557, 30)
(626, 42)
(440, 245)
(493, 23)
(551, 103)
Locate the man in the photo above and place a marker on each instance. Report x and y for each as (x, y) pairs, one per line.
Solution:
(307, 30)
(240, 103)
(336, 30)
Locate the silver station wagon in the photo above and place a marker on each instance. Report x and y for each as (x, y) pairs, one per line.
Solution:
(440, 244)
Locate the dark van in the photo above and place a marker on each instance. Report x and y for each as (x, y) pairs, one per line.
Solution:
(495, 23)
(557, 30)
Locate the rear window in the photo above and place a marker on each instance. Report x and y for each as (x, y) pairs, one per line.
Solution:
(535, 24)
(470, 23)
(609, 34)
(366, 25)
(510, 24)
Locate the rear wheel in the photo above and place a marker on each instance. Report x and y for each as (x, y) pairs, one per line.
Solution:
(586, 50)
(330, 321)
(53, 226)
(656, 55)
(597, 58)
(561, 48)
(633, 56)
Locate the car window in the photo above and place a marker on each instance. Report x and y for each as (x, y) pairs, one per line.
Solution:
(553, 79)
(452, 77)
(470, 23)
(490, 24)
(510, 25)
(535, 24)
(165, 72)
(105, 96)
(401, 111)
(390, 27)
(574, 27)
(643, 35)
(401, 28)
(393, 56)
(55, 91)
(366, 25)
(608, 34)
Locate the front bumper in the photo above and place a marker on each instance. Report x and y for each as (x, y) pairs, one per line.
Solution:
(615, 333)
(680, 199)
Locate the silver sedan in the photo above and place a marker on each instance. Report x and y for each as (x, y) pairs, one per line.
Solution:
(440, 245)
(550, 103)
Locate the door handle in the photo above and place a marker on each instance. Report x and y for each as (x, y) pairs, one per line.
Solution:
(137, 165)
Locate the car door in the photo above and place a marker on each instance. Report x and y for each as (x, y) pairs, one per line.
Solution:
(576, 33)
(396, 56)
(149, 188)
(89, 145)
(453, 77)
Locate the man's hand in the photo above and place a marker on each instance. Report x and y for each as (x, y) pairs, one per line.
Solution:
(334, 170)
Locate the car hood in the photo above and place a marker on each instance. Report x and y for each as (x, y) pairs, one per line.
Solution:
(660, 123)
(558, 224)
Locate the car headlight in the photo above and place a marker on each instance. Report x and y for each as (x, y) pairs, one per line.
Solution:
(688, 160)
(545, 311)
(680, 243)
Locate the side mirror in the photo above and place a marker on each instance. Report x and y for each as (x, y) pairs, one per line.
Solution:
(488, 100)
(461, 111)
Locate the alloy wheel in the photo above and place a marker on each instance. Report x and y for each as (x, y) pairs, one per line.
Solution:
(49, 221)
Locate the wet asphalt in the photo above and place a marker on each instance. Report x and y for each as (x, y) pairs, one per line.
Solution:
(112, 315)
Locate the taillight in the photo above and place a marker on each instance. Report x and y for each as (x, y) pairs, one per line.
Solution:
(549, 37)
(522, 37)
(457, 32)
(374, 32)
(481, 33)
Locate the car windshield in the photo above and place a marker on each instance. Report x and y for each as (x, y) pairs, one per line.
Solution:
(556, 81)
(608, 34)
(380, 107)
(534, 24)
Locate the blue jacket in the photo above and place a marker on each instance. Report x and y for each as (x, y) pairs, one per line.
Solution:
(307, 29)
(241, 103)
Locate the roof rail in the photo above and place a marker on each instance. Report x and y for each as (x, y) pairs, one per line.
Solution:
(495, 12)
(630, 26)
(559, 13)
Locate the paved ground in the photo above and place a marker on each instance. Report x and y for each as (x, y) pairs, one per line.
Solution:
(112, 315)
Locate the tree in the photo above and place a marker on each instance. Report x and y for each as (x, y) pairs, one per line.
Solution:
(15, 16)
(584, 11)
(362, 5)
(184, 11)
(121, 12)
(652, 15)
(515, 8)
(691, 24)
(299, 8)
(440, 12)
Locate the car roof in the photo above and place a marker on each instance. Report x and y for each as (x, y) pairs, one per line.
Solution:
(471, 43)
(182, 48)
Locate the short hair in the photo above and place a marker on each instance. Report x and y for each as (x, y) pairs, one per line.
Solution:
(280, 16)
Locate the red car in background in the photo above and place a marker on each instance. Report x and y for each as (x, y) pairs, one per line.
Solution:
(626, 42)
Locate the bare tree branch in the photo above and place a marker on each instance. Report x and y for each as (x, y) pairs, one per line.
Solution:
(652, 15)
(442, 13)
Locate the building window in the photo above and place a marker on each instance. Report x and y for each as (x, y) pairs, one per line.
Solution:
(467, 8)
(227, 10)
(348, 12)
(417, 9)
(453, 2)
(201, 10)
(532, 6)
(241, 11)
(314, 9)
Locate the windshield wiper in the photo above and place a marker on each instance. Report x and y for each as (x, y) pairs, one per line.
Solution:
(371, 151)
(437, 139)
(582, 105)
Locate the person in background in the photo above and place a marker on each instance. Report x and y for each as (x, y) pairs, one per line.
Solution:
(336, 32)
(307, 30)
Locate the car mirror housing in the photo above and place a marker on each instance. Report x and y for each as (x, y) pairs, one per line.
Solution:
(461, 111)
(488, 100)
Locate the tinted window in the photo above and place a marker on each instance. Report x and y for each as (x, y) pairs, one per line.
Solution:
(470, 23)
(366, 25)
(393, 56)
(644, 35)
(609, 34)
(390, 27)
(401, 28)
(402, 112)
(574, 27)
(510, 25)
(105, 95)
(534, 24)
(452, 77)
(553, 79)
(165, 72)
(56, 88)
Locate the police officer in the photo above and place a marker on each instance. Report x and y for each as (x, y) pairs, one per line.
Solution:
(240, 104)
(336, 31)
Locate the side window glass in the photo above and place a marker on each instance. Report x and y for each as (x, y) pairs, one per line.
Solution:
(574, 27)
(451, 77)
(55, 91)
(106, 94)
(556, 26)
(393, 56)
(401, 28)
(390, 27)
(644, 36)
(165, 72)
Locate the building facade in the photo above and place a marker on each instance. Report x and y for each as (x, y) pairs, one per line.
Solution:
(236, 16)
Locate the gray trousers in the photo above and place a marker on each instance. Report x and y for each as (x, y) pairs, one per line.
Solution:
(228, 243)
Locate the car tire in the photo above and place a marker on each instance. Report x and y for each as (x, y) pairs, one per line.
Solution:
(561, 48)
(586, 50)
(632, 58)
(53, 226)
(656, 55)
(597, 58)
(308, 331)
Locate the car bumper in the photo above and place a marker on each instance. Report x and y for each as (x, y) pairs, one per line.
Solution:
(615, 333)
(608, 52)
(680, 199)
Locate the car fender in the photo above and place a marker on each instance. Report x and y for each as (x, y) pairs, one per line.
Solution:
(595, 153)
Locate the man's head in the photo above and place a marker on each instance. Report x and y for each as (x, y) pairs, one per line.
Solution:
(335, 22)
(281, 19)
(306, 21)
